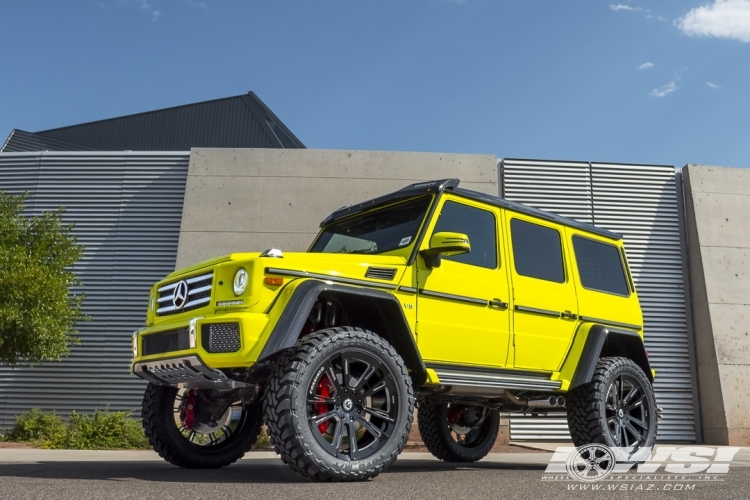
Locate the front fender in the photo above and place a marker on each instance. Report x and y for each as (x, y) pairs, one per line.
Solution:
(374, 310)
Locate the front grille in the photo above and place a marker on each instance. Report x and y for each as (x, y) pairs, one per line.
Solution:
(380, 273)
(220, 337)
(197, 291)
(171, 340)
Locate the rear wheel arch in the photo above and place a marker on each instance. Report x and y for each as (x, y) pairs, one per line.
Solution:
(373, 310)
(604, 341)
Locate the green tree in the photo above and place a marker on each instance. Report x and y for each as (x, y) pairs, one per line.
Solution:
(38, 311)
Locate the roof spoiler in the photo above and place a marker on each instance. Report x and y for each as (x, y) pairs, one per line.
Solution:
(407, 192)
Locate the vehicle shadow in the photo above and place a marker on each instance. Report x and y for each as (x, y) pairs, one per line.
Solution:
(244, 472)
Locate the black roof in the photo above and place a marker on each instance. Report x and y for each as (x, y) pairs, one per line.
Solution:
(242, 121)
(452, 185)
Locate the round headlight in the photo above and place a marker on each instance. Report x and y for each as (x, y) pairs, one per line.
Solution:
(240, 281)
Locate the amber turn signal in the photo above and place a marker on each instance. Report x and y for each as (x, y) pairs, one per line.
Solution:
(273, 281)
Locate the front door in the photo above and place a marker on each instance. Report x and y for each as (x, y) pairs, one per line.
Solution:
(462, 314)
(545, 307)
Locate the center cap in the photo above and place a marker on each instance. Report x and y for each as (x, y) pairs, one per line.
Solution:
(348, 405)
(620, 413)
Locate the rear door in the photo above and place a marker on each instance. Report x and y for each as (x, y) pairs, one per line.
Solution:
(545, 307)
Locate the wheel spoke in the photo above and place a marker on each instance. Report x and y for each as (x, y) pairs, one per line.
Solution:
(227, 431)
(331, 372)
(319, 419)
(345, 374)
(625, 436)
(639, 423)
(617, 435)
(632, 392)
(377, 387)
(367, 375)
(611, 420)
(622, 388)
(633, 430)
(352, 439)
(637, 402)
(372, 429)
(338, 434)
(321, 399)
(378, 413)
(191, 436)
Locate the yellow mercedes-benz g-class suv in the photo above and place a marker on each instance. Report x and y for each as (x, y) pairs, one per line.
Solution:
(460, 303)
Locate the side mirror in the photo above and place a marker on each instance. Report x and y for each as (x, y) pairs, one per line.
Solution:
(445, 243)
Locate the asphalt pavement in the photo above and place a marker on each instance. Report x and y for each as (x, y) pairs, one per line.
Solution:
(27, 474)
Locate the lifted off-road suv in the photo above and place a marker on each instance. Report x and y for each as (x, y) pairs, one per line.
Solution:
(459, 303)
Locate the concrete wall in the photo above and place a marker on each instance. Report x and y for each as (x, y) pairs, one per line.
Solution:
(253, 199)
(718, 210)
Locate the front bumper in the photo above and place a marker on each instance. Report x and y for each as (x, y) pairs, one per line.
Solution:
(185, 371)
(184, 339)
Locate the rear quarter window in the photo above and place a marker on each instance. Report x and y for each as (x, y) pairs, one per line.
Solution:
(600, 266)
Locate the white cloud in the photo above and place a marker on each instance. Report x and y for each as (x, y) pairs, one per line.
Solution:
(664, 89)
(149, 8)
(713, 85)
(720, 19)
(626, 7)
(646, 65)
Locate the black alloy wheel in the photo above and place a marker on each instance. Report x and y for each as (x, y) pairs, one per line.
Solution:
(339, 405)
(457, 432)
(627, 409)
(353, 405)
(176, 427)
(616, 408)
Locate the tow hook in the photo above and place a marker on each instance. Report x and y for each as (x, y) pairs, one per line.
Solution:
(189, 420)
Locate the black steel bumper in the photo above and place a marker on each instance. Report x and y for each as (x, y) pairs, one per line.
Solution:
(184, 371)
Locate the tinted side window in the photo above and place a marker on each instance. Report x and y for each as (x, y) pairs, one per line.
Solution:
(478, 225)
(537, 251)
(600, 266)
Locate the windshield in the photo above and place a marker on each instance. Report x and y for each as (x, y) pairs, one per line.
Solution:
(378, 231)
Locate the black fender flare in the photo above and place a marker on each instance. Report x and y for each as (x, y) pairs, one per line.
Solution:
(604, 341)
(375, 306)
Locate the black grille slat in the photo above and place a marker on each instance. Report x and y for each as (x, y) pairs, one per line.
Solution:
(220, 337)
(380, 273)
(169, 341)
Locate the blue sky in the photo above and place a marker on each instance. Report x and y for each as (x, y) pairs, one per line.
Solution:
(550, 79)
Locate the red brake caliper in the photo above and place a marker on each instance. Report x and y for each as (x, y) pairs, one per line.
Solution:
(454, 414)
(190, 410)
(324, 391)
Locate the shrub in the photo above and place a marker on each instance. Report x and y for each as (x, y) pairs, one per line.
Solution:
(104, 430)
(37, 428)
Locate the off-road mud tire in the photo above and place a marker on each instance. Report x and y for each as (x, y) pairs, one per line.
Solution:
(435, 431)
(169, 443)
(286, 418)
(586, 403)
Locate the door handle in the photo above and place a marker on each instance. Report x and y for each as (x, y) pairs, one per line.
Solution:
(568, 315)
(498, 303)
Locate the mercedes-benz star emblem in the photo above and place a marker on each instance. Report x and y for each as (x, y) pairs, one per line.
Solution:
(180, 295)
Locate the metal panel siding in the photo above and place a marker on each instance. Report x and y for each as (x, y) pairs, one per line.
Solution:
(126, 208)
(20, 140)
(233, 122)
(640, 203)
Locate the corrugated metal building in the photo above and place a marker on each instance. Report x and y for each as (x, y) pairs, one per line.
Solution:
(127, 208)
(242, 121)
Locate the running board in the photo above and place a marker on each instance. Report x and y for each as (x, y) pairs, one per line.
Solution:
(484, 380)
